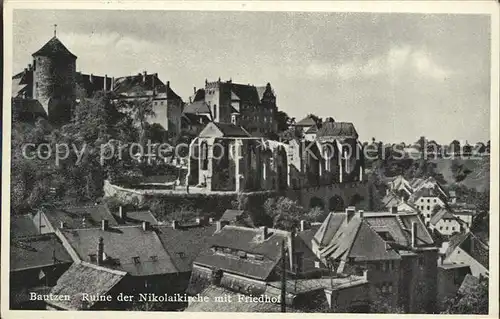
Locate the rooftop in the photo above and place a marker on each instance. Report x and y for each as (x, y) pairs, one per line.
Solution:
(37, 252)
(80, 216)
(54, 48)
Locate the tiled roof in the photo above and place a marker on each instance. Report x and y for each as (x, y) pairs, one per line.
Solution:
(338, 129)
(36, 252)
(126, 84)
(80, 216)
(196, 108)
(248, 240)
(312, 129)
(306, 121)
(246, 93)
(226, 129)
(442, 213)
(369, 246)
(399, 227)
(121, 246)
(22, 225)
(84, 278)
(90, 87)
(54, 48)
(184, 243)
(329, 228)
(194, 118)
(136, 217)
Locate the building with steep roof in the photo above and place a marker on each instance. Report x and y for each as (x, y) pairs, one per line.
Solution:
(249, 106)
(467, 249)
(395, 248)
(36, 263)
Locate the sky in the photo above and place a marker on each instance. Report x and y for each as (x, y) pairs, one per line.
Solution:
(396, 76)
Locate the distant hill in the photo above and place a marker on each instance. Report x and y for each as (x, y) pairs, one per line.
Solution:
(475, 172)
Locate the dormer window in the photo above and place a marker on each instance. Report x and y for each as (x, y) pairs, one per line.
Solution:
(92, 257)
(154, 258)
(136, 260)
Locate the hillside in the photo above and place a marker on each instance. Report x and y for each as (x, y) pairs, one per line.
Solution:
(476, 171)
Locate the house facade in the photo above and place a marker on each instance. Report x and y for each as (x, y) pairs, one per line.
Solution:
(395, 248)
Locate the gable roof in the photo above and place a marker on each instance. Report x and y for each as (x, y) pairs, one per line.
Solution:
(329, 228)
(22, 226)
(54, 48)
(80, 216)
(442, 213)
(338, 129)
(246, 93)
(224, 129)
(37, 252)
(20, 106)
(135, 217)
(248, 240)
(84, 278)
(129, 83)
(197, 107)
(121, 246)
(184, 244)
(306, 121)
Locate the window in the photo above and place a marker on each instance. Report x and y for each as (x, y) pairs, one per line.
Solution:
(440, 227)
(204, 155)
(435, 200)
(136, 260)
(92, 257)
(428, 200)
(154, 258)
(428, 208)
(215, 111)
(453, 228)
(316, 264)
(447, 227)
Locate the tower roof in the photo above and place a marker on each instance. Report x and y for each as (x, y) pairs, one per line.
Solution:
(54, 48)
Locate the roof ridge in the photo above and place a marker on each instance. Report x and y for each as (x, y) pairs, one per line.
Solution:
(97, 267)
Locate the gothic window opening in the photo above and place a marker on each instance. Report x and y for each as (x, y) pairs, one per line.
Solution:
(204, 155)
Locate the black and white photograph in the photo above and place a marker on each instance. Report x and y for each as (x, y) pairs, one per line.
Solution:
(250, 160)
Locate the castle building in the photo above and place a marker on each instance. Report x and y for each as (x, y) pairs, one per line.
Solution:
(52, 83)
(249, 106)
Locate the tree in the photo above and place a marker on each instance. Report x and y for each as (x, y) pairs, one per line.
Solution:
(285, 212)
(455, 147)
(283, 121)
(318, 120)
(139, 109)
(475, 301)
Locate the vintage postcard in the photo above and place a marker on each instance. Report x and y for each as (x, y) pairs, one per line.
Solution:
(250, 157)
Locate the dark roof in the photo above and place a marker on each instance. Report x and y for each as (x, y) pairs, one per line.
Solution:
(121, 246)
(248, 240)
(136, 217)
(471, 244)
(84, 278)
(37, 252)
(246, 93)
(21, 106)
(338, 129)
(80, 216)
(127, 84)
(312, 129)
(194, 118)
(442, 213)
(185, 243)
(92, 83)
(226, 129)
(199, 95)
(54, 48)
(232, 215)
(22, 225)
(370, 237)
(196, 107)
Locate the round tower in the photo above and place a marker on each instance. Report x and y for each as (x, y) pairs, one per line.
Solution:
(54, 80)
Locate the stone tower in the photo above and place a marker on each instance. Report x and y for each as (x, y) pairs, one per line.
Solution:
(54, 80)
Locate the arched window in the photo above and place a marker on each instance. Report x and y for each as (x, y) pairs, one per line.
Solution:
(215, 111)
(204, 155)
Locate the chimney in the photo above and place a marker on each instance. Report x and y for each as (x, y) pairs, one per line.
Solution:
(194, 90)
(144, 74)
(100, 251)
(105, 85)
(145, 226)
(175, 224)
(264, 232)
(30, 67)
(91, 78)
(25, 70)
(361, 213)
(303, 225)
(104, 225)
(112, 83)
(413, 234)
(121, 212)
(61, 224)
(394, 209)
(168, 84)
(350, 211)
